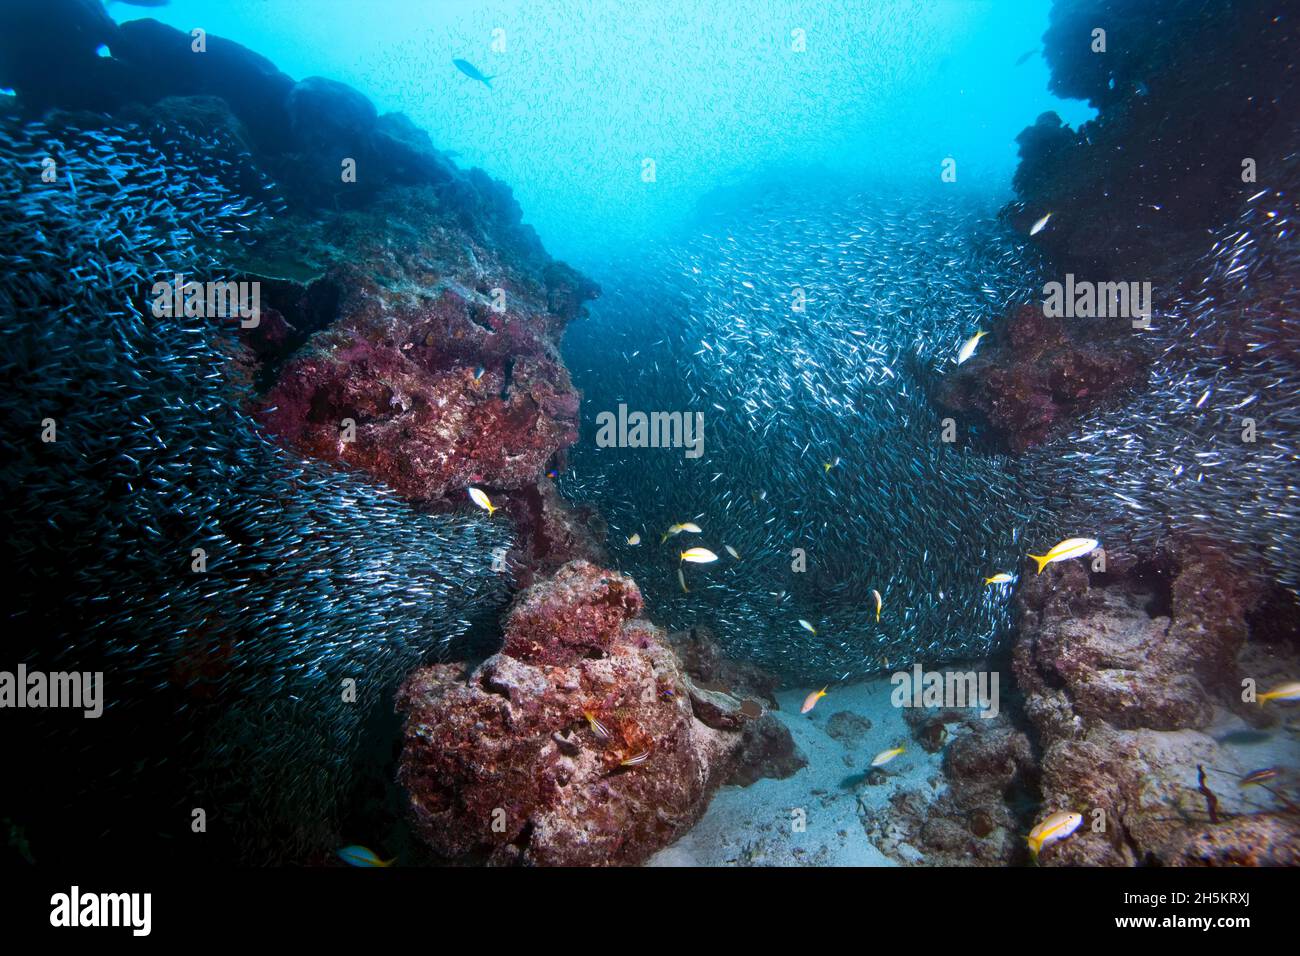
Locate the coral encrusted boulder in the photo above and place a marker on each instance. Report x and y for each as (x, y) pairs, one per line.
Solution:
(577, 744)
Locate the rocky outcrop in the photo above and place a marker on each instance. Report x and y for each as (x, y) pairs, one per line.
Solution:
(978, 817)
(1123, 673)
(1149, 173)
(1036, 375)
(410, 320)
(579, 743)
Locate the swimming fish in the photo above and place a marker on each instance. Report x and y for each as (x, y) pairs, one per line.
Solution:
(362, 856)
(699, 556)
(677, 529)
(732, 551)
(478, 372)
(1056, 827)
(597, 728)
(1000, 578)
(477, 496)
(681, 579)
(882, 758)
(640, 758)
(1037, 227)
(1067, 549)
(968, 347)
(634, 539)
(828, 465)
(807, 626)
(470, 70)
(1024, 57)
(810, 701)
(1258, 776)
(879, 602)
(1286, 692)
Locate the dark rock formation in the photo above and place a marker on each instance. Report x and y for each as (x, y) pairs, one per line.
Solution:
(578, 743)
(1150, 171)
(709, 668)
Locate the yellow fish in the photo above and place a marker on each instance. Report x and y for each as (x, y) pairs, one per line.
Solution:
(1000, 578)
(807, 626)
(676, 529)
(1037, 227)
(1286, 692)
(732, 551)
(634, 539)
(882, 758)
(699, 556)
(968, 347)
(597, 728)
(879, 602)
(640, 758)
(1055, 828)
(1067, 549)
(477, 496)
(828, 465)
(810, 701)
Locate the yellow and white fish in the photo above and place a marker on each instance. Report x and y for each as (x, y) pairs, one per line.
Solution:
(597, 728)
(1037, 227)
(828, 465)
(362, 856)
(634, 539)
(1052, 830)
(968, 347)
(677, 529)
(640, 758)
(882, 758)
(1000, 578)
(879, 603)
(1067, 549)
(1286, 692)
(807, 626)
(477, 496)
(810, 701)
(732, 551)
(699, 556)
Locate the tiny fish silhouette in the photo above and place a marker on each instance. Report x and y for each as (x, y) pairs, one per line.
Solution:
(470, 70)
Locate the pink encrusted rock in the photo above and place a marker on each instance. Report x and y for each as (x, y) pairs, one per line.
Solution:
(504, 765)
(1121, 675)
(578, 613)
(1037, 375)
(441, 348)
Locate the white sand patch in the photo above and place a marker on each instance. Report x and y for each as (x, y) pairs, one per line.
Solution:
(758, 825)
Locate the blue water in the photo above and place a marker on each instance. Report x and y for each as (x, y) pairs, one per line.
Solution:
(883, 92)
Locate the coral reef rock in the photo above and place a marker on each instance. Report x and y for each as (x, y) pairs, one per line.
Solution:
(578, 743)
(1125, 674)
(1036, 375)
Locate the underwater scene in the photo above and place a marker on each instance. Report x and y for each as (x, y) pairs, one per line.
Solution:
(592, 433)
